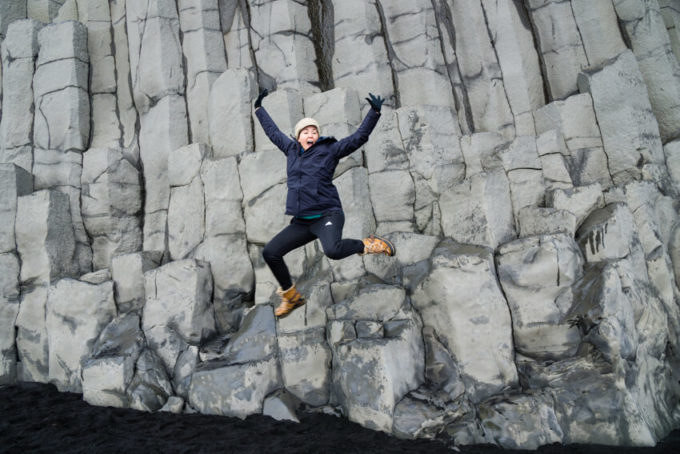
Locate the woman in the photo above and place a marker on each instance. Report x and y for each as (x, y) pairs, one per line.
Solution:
(312, 198)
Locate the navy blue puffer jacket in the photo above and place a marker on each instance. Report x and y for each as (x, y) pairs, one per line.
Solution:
(310, 173)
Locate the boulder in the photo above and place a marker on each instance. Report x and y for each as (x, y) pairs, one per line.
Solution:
(520, 421)
(156, 62)
(233, 390)
(230, 265)
(422, 414)
(392, 195)
(110, 369)
(591, 385)
(461, 300)
(385, 149)
(281, 406)
(305, 360)
(76, 314)
(31, 336)
(150, 387)
(254, 341)
(431, 139)
(371, 375)
(177, 312)
(536, 274)
(9, 310)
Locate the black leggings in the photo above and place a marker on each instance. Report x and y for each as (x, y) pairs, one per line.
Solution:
(327, 228)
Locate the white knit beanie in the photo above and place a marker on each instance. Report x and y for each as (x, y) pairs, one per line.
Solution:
(302, 124)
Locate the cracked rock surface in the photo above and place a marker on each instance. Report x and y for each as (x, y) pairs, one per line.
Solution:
(526, 164)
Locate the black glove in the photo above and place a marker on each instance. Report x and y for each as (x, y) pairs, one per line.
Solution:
(375, 102)
(258, 101)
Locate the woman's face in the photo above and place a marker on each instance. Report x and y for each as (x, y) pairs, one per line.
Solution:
(308, 137)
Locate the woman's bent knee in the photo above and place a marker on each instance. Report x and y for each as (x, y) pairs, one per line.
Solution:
(269, 254)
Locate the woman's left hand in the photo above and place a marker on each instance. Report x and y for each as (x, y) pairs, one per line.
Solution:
(375, 102)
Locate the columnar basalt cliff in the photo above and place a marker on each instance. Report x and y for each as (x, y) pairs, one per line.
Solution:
(527, 165)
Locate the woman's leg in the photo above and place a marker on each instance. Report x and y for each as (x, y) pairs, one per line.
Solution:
(292, 237)
(329, 231)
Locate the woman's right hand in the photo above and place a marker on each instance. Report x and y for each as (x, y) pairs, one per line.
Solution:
(258, 101)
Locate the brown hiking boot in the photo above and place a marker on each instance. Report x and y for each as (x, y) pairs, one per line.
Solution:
(378, 245)
(290, 299)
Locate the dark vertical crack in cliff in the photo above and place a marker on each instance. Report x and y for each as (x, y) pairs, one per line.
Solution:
(322, 18)
(444, 19)
(391, 54)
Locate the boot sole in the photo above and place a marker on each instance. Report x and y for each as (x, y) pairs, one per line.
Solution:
(393, 250)
(291, 311)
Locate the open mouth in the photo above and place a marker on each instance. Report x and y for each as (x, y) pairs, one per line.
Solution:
(310, 142)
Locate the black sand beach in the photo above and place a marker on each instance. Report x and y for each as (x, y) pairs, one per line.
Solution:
(37, 418)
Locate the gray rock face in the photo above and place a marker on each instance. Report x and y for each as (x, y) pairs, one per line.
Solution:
(484, 200)
(76, 313)
(9, 309)
(229, 108)
(363, 382)
(110, 369)
(111, 203)
(526, 164)
(19, 52)
(177, 312)
(562, 53)
(127, 272)
(203, 49)
(645, 30)
(233, 390)
(448, 302)
(539, 329)
(150, 388)
(636, 141)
